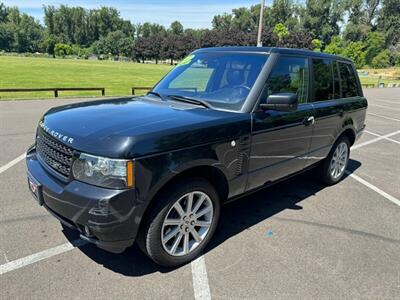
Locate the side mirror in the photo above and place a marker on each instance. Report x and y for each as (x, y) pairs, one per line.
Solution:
(281, 102)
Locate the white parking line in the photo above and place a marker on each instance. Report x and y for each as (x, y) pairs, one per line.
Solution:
(374, 188)
(382, 137)
(392, 101)
(384, 117)
(385, 138)
(384, 106)
(31, 259)
(199, 272)
(12, 163)
(200, 280)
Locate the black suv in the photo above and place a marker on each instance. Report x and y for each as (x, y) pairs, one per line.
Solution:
(224, 122)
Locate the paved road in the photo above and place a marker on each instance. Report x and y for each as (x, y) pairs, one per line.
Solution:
(297, 239)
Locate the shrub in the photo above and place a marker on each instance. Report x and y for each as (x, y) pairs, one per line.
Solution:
(335, 46)
(62, 50)
(281, 31)
(355, 51)
(316, 44)
(381, 60)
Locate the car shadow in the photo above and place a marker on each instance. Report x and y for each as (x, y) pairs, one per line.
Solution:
(235, 218)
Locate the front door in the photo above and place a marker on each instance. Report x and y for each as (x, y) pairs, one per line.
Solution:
(281, 140)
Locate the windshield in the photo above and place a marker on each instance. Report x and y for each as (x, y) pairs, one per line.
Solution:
(221, 79)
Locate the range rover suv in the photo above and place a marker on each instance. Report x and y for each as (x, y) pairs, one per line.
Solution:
(156, 169)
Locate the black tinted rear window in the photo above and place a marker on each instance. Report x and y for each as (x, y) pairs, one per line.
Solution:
(323, 79)
(348, 80)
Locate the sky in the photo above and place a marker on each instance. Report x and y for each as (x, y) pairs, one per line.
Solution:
(191, 13)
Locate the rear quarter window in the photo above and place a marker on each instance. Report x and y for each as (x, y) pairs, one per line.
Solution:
(348, 80)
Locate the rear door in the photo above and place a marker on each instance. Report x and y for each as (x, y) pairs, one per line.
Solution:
(328, 106)
(281, 140)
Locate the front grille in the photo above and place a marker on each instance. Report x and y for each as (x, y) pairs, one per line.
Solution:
(56, 155)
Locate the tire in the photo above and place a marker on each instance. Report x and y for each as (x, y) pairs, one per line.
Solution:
(165, 242)
(326, 173)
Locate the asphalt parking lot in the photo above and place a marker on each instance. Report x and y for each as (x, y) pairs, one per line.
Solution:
(297, 239)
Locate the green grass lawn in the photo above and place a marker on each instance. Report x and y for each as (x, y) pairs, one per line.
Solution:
(116, 77)
(374, 74)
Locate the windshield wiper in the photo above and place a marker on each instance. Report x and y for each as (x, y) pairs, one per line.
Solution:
(156, 94)
(189, 100)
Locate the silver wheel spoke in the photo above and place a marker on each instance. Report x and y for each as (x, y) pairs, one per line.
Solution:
(204, 211)
(202, 223)
(176, 243)
(179, 209)
(196, 236)
(186, 244)
(189, 203)
(199, 203)
(337, 171)
(171, 234)
(172, 222)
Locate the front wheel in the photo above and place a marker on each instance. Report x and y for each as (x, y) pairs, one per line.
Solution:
(334, 166)
(182, 223)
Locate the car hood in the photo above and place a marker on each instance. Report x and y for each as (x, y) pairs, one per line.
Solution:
(128, 128)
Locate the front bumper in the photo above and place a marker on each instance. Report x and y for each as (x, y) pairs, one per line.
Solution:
(111, 217)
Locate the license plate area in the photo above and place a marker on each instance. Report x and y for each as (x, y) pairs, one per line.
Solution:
(35, 188)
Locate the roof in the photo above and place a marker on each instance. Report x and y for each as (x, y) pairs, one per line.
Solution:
(273, 50)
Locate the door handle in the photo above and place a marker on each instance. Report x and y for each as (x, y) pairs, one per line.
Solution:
(309, 121)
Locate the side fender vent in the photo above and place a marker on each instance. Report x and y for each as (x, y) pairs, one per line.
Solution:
(243, 154)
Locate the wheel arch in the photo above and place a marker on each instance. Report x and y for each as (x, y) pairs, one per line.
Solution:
(350, 134)
(211, 173)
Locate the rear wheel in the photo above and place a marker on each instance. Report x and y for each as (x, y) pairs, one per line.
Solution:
(334, 166)
(182, 223)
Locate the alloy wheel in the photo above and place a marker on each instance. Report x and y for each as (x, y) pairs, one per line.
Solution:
(187, 223)
(339, 160)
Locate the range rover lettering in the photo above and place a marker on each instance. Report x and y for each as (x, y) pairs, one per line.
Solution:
(156, 169)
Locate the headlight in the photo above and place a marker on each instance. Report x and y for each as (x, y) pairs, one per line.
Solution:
(104, 172)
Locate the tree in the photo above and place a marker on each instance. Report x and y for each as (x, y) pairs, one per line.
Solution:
(242, 20)
(355, 51)
(375, 44)
(321, 18)
(362, 15)
(283, 11)
(49, 44)
(115, 43)
(389, 21)
(19, 32)
(381, 60)
(176, 28)
(7, 38)
(152, 29)
(76, 25)
(3, 12)
(222, 22)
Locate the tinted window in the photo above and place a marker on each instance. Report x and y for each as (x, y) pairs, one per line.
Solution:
(348, 80)
(192, 79)
(290, 74)
(336, 81)
(323, 79)
(222, 79)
